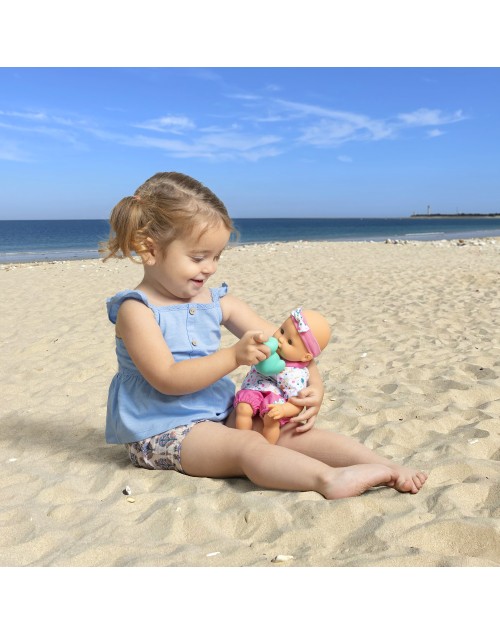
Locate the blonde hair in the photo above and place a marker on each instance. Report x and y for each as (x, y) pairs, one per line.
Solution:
(167, 206)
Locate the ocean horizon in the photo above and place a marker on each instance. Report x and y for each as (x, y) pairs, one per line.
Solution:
(52, 240)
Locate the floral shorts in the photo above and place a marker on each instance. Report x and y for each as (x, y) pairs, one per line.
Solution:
(161, 452)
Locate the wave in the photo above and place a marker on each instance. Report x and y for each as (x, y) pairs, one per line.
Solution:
(426, 234)
(48, 255)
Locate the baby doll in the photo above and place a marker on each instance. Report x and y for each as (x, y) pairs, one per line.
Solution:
(301, 337)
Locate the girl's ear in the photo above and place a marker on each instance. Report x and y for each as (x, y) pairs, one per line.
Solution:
(149, 256)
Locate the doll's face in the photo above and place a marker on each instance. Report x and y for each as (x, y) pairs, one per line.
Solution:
(291, 347)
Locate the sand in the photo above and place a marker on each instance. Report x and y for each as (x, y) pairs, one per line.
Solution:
(412, 371)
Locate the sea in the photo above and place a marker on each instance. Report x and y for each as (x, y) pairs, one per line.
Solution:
(52, 240)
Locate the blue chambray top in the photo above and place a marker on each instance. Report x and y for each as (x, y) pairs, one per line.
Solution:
(135, 409)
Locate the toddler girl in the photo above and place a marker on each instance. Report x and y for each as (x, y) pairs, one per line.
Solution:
(171, 402)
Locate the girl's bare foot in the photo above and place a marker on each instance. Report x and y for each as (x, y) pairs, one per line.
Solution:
(356, 479)
(408, 479)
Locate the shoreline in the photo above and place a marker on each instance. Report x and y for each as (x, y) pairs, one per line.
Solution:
(457, 238)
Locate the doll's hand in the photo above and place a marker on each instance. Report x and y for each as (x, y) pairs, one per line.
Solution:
(309, 398)
(276, 411)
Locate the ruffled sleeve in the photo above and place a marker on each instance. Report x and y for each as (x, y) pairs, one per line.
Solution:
(114, 303)
(219, 292)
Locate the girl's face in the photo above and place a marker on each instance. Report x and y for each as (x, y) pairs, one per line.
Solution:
(188, 263)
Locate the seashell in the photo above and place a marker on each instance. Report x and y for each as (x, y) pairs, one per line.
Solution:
(213, 553)
(127, 491)
(281, 558)
(131, 499)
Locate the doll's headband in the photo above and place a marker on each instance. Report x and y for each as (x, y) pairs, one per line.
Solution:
(304, 330)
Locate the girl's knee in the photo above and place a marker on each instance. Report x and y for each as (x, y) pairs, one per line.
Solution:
(252, 436)
(251, 439)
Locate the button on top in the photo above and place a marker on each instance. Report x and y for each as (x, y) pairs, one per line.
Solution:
(192, 311)
(194, 343)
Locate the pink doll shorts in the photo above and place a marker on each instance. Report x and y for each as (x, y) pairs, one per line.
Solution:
(260, 402)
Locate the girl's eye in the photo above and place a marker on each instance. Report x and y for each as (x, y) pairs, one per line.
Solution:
(197, 259)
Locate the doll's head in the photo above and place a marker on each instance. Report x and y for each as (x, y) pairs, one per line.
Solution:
(302, 336)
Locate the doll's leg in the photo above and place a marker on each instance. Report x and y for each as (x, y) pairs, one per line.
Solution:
(271, 429)
(246, 405)
(338, 450)
(244, 414)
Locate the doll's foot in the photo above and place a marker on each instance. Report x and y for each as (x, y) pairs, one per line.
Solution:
(356, 479)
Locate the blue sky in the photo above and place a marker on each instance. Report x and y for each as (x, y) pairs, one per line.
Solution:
(269, 141)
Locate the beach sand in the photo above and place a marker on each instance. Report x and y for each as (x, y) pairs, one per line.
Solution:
(412, 371)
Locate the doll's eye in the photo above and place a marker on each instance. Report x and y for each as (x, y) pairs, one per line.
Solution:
(282, 331)
(290, 342)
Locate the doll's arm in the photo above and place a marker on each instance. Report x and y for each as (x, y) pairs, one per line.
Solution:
(281, 410)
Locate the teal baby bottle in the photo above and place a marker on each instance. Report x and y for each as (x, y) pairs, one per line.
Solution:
(273, 364)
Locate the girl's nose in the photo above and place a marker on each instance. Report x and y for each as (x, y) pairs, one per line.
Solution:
(209, 268)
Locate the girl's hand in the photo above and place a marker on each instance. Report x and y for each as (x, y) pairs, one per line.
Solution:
(309, 398)
(250, 349)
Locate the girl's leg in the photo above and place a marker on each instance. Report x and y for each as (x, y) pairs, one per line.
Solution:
(214, 450)
(338, 450)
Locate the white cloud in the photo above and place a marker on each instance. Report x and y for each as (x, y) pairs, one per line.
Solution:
(35, 116)
(245, 97)
(237, 142)
(430, 117)
(334, 132)
(435, 132)
(331, 128)
(261, 153)
(222, 146)
(47, 131)
(170, 123)
(274, 127)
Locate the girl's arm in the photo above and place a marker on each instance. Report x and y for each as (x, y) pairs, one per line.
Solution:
(144, 342)
(239, 318)
(309, 398)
